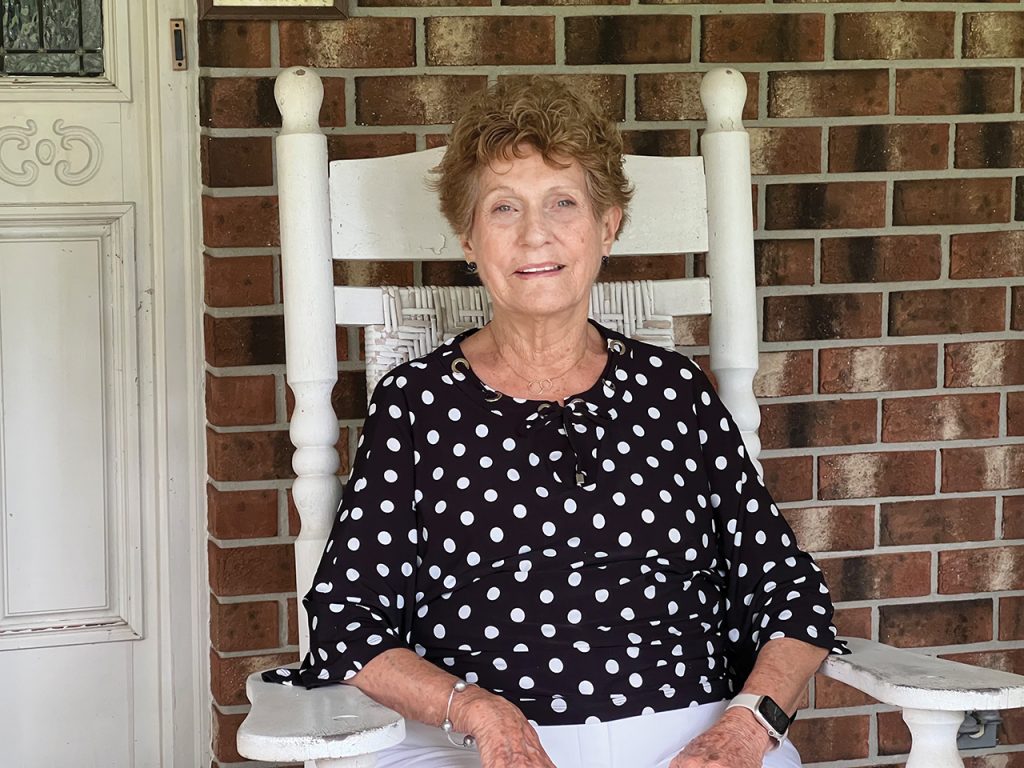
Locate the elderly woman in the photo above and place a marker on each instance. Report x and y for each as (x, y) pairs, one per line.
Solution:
(553, 549)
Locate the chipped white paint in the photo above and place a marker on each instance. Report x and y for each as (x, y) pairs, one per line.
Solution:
(336, 726)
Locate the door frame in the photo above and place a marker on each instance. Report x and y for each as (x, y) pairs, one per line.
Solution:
(185, 697)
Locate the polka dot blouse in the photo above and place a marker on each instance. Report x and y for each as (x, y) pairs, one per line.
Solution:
(614, 556)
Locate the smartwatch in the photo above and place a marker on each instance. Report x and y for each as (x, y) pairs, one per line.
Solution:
(766, 712)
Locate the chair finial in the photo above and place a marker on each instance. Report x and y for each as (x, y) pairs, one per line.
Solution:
(723, 91)
(299, 93)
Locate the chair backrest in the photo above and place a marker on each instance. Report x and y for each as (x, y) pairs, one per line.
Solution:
(381, 209)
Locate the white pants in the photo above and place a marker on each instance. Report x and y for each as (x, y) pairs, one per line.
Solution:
(645, 741)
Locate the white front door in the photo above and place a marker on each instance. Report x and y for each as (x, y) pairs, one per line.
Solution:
(83, 467)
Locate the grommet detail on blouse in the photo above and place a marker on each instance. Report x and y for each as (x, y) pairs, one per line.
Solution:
(616, 346)
(460, 362)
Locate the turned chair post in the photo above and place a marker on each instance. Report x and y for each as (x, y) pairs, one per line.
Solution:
(308, 284)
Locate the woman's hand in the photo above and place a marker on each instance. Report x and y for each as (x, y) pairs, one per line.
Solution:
(737, 740)
(504, 737)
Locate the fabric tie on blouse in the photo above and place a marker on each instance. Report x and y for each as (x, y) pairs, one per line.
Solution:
(583, 425)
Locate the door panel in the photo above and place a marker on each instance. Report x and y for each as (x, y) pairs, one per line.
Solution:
(79, 596)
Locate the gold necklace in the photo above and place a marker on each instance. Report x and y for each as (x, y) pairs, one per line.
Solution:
(537, 387)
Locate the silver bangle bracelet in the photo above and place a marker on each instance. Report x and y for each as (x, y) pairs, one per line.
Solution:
(447, 725)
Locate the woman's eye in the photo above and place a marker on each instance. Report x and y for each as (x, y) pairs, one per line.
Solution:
(566, 203)
(502, 208)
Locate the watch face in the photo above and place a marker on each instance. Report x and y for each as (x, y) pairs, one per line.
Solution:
(774, 714)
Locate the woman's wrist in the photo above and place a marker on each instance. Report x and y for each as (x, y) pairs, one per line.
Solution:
(743, 721)
(469, 709)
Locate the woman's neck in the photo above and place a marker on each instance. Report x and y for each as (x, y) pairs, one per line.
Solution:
(540, 348)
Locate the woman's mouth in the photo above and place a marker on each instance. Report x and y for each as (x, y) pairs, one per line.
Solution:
(539, 269)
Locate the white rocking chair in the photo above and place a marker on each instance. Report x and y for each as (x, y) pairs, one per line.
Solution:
(380, 210)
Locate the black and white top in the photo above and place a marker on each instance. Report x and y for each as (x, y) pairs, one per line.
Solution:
(609, 558)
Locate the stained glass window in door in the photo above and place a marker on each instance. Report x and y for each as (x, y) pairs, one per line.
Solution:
(51, 37)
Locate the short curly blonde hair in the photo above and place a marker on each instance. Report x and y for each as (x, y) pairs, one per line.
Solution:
(541, 112)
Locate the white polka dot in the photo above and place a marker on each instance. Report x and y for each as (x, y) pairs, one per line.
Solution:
(670, 394)
(509, 444)
(454, 414)
(427, 397)
(555, 665)
(559, 705)
(517, 615)
(391, 476)
(599, 521)
(636, 680)
(526, 683)
(490, 495)
(497, 534)
(619, 498)
(459, 449)
(481, 430)
(586, 687)
(519, 511)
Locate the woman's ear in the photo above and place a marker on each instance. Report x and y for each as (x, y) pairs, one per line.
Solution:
(610, 221)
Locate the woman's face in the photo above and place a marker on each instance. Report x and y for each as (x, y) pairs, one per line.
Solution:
(535, 238)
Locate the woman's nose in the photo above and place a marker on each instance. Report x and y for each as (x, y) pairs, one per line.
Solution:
(534, 227)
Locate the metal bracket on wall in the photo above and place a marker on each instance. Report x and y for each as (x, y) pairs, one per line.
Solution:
(179, 55)
(978, 730)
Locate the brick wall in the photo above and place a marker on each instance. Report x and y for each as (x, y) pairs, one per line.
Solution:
(888, 142)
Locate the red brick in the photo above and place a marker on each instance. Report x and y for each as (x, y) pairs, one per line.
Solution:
(248, 102)
(608, 92)
(246, 626)
(986, 254)
(239, 281)
(990, 145)
(489, 40)
(244, 161)
(350, 146)
(241, 514)
(664, 143)
(985, 364)
(413, 99)
(786, 373)
(873, 577)
(972, 91)
(785, 150)
(1015, 413)
(1008, 660)
(239, 222)
(994, 35)
(227, 676)
(691, 332)
(1017, 308)
(293, 621)
(853, 622)
(941, 417)
(893, 734)
(947, 311)
(894, 35)
(676, 96)
(373, 273)
(929, 624)
(830, 694)
(240, 400)
(819, 422)
(563, 2)
(893, 147)
(990, 569)
(225, 731)
(244, 340)
(830, 529)
(353, 42)
(235, 456)
(828, 93)
(822, 316)
(627, 39)
(1011, 618)
(951, 201)
(784, 262)
(694, 2)
(837, 204)
(234, 43)
(880, 259)
(789, 478)
(864, 475)
(821, 739)
(762, 37)
(877, 369)
(251, 570)
(1013, 517)
(982, 469)
(937, 521)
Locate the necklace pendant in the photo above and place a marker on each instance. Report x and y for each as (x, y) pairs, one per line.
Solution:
(539, 386)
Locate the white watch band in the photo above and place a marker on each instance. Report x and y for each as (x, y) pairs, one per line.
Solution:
(752, 701)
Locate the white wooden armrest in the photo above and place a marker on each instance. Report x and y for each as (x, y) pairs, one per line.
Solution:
(912, 680)
(337, 725)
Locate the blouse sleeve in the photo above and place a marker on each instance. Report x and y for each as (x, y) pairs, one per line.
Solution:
(363, 592)
(774, 589)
